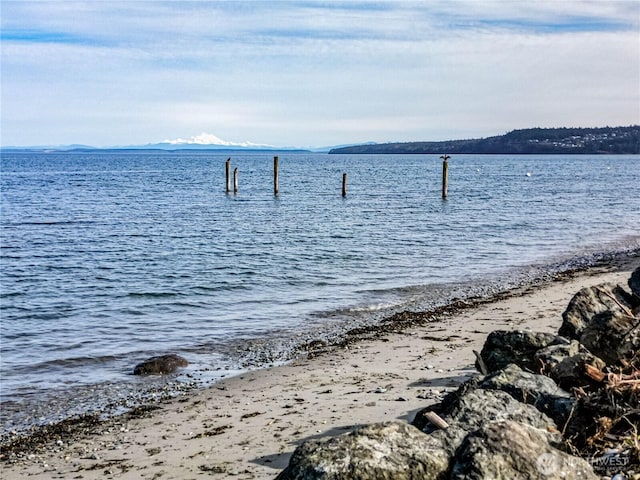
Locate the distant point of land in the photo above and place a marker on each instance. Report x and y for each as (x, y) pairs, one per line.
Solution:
(605, 140)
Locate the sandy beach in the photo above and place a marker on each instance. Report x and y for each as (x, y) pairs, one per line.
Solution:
(248, 426)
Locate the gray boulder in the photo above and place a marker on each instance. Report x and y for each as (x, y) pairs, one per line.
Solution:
(537, 390)
(571, 372)
(505, 347)
(390, 450)
(612, 336)
(565, 363)
(590, 301)
(160, 365)
(508, 450)
(472, 408)
(549, 357)
(634, 284)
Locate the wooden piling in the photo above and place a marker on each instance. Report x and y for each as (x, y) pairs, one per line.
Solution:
(445, 174)
(228, 172)
(344, 184)
(276, 188)
(235, 180)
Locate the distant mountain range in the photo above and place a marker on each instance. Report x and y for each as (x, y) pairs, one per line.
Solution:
(606, 140)
(160, 147)
(202, 142)
(167, 147)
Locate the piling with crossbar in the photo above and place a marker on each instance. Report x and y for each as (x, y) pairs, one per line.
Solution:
(276, 188)
(344, 184)
(445, 174)
(235, 180)
(228, 172)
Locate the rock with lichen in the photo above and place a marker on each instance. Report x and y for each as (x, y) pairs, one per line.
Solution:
(589, 302)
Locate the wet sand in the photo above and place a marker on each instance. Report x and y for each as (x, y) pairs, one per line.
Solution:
(248, 426)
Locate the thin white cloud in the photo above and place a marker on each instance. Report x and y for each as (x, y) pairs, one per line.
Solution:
(312, 72)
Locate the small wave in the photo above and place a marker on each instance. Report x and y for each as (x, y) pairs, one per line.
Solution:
(63, 363)
(374, 307)
(50, 222)
(189, 305)
(131, 311)
(11, 294)
(222, 288)
(153, 294)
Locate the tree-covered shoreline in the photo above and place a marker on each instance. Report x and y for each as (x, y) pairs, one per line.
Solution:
(604, 140)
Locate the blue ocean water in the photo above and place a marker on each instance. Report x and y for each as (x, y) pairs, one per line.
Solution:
(109, 258)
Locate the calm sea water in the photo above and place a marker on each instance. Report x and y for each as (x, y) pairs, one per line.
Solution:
(109, 258)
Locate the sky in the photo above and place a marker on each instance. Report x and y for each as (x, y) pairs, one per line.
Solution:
(312, 73)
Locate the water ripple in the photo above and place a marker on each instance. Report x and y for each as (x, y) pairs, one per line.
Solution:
(120, 256)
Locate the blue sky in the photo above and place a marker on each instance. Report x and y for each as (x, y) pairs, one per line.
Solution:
(307, 73)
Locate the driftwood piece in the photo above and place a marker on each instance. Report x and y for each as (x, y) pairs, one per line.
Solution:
(481, 365)
(436, 420)
(593, 373)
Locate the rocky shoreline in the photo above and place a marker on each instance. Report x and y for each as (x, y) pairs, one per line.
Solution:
(545, 406)
(248, 426)
(27, 416)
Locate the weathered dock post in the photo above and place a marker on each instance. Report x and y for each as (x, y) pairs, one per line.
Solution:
(344, 184)
(235, 180)
(445, 174)
(276, 187)
(228, 172)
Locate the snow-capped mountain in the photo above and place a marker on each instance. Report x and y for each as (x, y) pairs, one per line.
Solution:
(210, 140)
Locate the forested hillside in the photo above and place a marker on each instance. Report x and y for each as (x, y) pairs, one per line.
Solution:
(605, 140)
